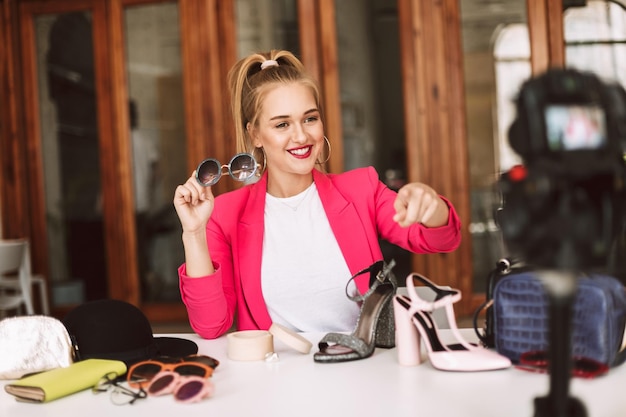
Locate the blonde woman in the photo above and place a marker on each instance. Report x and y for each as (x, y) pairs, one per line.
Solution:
(282, 249)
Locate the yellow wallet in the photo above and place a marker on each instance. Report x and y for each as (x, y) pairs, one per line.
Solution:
(56, 383)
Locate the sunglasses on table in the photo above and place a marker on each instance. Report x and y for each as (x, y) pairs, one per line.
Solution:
(185, 388)
(241, 167)
(120, 395)
(537, 361)
(141, 373)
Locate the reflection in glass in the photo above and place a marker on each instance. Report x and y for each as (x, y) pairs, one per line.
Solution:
(595, 38)
(156, 111)
(490, 83)
(71, 157)
(511, 53)
(267, 24)
(371, 97)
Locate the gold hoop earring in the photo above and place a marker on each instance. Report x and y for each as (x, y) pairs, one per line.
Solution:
(264, 166)
(328, 155)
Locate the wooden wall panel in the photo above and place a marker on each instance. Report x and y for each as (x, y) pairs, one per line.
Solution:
(209, 51)
(330, 75)
(545, 29)
(192, 83)
(224, 56)
(14, 190)
(435, 122)
(117, 181)
(318, 43)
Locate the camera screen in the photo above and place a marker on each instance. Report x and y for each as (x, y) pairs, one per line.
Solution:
(575, 127)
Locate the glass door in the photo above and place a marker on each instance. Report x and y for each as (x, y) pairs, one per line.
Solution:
(157, 144)
(68, 142)
(371, 98)
(108, 146)
(488, 103)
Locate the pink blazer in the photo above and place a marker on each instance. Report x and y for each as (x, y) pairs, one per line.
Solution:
(359, 209)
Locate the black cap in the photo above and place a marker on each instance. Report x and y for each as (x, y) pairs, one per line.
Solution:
(115, 329)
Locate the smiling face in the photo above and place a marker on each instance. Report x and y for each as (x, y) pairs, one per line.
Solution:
(291, 133)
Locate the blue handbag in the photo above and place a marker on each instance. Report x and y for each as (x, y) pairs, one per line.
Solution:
(519, 317)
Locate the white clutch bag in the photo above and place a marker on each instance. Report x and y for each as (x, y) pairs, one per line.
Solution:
(31, 344)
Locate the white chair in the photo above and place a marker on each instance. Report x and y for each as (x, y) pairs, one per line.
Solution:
(16, 279)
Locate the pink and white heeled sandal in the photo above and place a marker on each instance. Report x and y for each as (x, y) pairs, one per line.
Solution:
(414, 321)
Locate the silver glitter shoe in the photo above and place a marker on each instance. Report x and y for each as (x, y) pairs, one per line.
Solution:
(375, 326)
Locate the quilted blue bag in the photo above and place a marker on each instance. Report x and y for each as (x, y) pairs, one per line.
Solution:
(520, 317)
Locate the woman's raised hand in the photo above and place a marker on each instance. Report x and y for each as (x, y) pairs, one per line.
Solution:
(419, 203)
(194, 205)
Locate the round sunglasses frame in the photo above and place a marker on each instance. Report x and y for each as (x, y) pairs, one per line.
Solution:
(206, 370)
(120, 395)
(186, 389)
(212, 164)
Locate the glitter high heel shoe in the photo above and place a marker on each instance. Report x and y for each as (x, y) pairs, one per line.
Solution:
(375, 326)
(413, 319)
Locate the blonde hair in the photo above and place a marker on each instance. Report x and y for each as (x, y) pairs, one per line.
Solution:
(249, 83)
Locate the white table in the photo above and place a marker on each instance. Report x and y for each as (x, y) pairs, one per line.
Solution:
(377, 386)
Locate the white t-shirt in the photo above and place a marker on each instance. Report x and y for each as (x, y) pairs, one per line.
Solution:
(303, 272)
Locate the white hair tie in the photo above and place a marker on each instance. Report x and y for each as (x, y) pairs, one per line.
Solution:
(269, 63)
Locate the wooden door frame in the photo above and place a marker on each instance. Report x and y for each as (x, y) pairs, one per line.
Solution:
(434, 105)
(206, 53)
(432, 62)
(206, 117)
(14, 206)
(28, 115)
(318, 44)
(545, 30)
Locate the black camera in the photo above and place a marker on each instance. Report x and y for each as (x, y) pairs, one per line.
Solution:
(564, 206)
